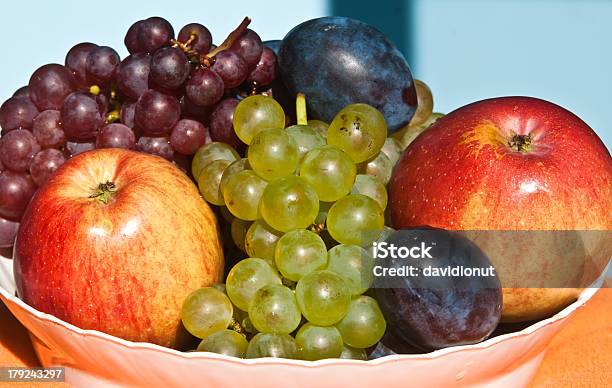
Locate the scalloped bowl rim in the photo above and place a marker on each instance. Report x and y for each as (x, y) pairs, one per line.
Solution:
(584, 296)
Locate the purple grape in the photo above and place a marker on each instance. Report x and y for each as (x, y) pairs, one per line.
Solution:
(202, 41)
(249, 47)
(44, 164)
(169, 68)
(189, 110)
(204, 87)
(154, 33)
(156, 113)
(74, 148)
(16, 189)
(265, 71)
(8, 232)
(47, 129)
(133, 75)
(222, 126)
(17, 148)
(50, 85)
(76, 60)
(17, 112)
(187, 136)
(116, 136)
(23, 91)
(101, 65)
(81, 116)
(159, 146)
(231, 67)
(132, 40)
(128, 110)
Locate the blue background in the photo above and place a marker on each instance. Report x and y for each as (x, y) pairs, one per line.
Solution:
(465, 50)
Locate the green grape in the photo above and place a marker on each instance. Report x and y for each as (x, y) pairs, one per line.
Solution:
(256, 113)
(318, 342)
(330, 171)
(226, 342)
(410, 132)
(261, 241)
(306, 138)
(350, 353)
(211, 152)
(379, 167)
(300, 252)
(371, 187)
(206, 311)
(273, 154)
(289, 203)
(239, 230)
(272, 345)
(242, 193)
(424, 103)
(359, 130)
(319, 126)
(354, 264)
(355, 220)
(323, 210)
(246, 277)
(209, 179)
(232, 169)
(393, 149)
(247, 325)
(273, 309)
(323, 297)
(364, 324)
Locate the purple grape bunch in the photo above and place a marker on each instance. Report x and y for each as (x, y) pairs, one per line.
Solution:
(170, 96)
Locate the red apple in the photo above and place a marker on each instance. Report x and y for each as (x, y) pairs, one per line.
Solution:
(514, 163)
(114, 242)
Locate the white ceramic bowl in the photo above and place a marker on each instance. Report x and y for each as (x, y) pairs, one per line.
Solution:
(95, 359)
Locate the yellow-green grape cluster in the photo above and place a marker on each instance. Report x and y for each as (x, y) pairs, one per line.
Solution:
(303, 203)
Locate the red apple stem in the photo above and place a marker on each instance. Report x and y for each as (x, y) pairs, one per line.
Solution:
(104, 192)
(521, 143)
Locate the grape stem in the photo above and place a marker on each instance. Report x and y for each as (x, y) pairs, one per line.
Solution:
(237, 327)
(208, 59)
(300, 109)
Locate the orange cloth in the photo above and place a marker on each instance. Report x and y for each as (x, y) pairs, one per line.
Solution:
(580, 356)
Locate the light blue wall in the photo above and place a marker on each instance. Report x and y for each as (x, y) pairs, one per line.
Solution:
(557, 50)
(465, 50)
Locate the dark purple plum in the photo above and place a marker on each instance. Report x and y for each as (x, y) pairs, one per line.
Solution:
(337, 61)
(434, 312)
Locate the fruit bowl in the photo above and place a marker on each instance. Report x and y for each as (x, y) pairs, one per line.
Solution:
(93, 358)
